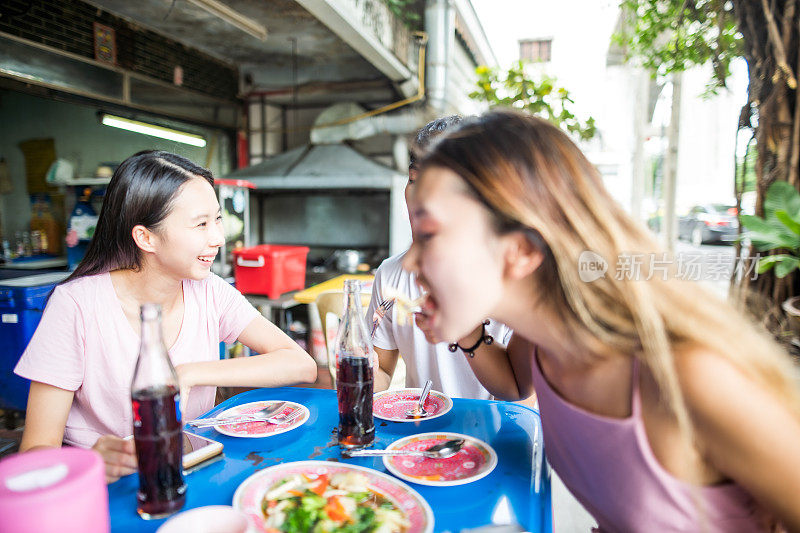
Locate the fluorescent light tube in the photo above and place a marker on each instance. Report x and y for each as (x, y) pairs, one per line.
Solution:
(153, 130)
(247, 25)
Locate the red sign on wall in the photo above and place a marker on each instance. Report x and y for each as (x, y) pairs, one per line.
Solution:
(105, 44)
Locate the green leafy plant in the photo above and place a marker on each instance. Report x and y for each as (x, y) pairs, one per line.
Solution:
(746, 178)
(778, 230)
(673, 35)
(407, 11)
(542, 97)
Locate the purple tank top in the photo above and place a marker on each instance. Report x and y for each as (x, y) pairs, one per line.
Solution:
(609, 467)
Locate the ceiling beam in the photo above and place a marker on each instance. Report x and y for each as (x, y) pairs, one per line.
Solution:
(342, 19)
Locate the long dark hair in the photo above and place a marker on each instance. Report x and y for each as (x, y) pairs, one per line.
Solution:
(141, 192)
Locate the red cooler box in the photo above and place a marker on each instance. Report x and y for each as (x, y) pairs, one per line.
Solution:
(270, 269)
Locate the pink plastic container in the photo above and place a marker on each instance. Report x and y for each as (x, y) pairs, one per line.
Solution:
(60, 489)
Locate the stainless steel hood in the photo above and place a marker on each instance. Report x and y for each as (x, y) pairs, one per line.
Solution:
(313, 169)
(322, 166)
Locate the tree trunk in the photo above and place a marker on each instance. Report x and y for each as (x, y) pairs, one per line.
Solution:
(669, 224)
(771, 30)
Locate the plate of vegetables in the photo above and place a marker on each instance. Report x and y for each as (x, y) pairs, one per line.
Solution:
(320, 496)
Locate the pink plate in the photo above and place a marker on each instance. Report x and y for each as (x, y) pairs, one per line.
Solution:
(261, 429)
(250, 493)
(474, 461)
(392, 404)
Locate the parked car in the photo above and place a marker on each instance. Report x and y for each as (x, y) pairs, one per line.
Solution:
(709, 223)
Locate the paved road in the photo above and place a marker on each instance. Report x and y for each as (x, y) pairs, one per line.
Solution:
(715, 265)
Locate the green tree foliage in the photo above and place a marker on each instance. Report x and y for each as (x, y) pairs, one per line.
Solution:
(778, 230)
(408, 11)
(673, 35)
(542, 97)
(746, 171)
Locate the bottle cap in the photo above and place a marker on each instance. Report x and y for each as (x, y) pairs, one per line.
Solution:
(150, 311)
(352, 285)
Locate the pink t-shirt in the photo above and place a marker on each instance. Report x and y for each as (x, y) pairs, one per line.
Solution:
(84, 343)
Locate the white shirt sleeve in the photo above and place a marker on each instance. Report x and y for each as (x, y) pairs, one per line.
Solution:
(383, 338)
(235, 312)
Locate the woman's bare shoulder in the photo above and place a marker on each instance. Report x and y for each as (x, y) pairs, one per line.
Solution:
(520, 347)
(725, 399)
(743, 428)
(705, 377)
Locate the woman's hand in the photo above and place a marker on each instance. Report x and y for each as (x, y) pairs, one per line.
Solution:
(119, 456)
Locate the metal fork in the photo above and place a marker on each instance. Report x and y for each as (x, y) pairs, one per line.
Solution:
(283, 419)
(379, 313)
(276, 419)
(270, 410)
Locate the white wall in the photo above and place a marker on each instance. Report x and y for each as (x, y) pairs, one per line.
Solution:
(461, 80)
(81, 138)
(581, 31)
(707, 141)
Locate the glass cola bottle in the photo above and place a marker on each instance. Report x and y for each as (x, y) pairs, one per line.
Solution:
(354, 376)
(157, 423)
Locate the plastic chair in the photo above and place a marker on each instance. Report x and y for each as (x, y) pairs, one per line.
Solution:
(333, 302)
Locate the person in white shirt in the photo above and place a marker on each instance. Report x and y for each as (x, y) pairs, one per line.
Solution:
(449, 369)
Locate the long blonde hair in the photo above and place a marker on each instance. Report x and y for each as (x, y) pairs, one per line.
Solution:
(533, 178)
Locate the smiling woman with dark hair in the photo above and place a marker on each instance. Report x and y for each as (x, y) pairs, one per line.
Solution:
(156, 238)
(141, 192)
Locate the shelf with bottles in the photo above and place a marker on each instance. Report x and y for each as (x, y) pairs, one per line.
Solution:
(41, 242)
(26, 247)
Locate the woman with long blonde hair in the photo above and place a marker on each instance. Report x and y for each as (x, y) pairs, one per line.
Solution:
(663, 408)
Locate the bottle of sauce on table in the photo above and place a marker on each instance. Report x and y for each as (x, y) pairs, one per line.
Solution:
(157, 423)
(43, 221)
(354, 376)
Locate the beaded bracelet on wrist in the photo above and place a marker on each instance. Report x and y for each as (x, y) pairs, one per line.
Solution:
(483, 339)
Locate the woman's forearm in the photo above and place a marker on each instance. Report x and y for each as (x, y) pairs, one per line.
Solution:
(46, 416)
(384, 366)
(285, 366)
(493, 369)
(492, 365)
(27, 447)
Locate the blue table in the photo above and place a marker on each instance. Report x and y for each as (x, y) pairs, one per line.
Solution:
(507, 495)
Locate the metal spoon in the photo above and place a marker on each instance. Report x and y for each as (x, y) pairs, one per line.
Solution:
(443, 450)
(419, 411)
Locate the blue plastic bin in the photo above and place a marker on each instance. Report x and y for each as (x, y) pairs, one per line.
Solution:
(22, 301)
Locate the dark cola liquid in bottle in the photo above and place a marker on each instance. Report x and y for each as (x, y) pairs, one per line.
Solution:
(157, 423)
(354, 376)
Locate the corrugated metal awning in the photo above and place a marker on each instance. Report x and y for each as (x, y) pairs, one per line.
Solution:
(329, 166)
